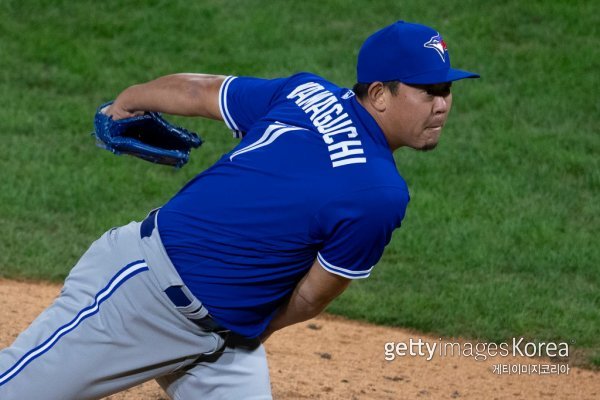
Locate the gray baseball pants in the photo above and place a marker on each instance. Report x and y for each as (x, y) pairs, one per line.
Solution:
(113, 327)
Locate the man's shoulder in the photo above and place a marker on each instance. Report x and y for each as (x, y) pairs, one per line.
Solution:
(389, 193)
(387, 190)
(304, 77)
(373, 205)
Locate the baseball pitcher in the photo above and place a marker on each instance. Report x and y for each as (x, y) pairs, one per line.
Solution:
(265, 238)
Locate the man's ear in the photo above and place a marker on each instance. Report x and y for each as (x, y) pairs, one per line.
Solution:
(376, 97)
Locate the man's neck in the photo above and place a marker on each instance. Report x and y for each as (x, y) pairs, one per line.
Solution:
(373, 113)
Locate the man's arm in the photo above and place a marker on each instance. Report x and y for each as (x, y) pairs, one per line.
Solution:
(178, 94)
(312, 294)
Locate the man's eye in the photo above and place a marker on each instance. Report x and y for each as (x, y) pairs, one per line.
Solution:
(444, 91)
(441, 89)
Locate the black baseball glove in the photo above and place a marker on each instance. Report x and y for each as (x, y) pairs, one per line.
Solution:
(148, 136)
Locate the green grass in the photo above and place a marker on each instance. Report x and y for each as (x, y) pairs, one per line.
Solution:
(500, 238)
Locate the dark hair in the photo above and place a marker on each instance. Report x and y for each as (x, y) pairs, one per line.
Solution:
(361, 89)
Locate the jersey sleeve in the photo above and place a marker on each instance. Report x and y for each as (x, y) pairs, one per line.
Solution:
(245, 100)
(356, 230)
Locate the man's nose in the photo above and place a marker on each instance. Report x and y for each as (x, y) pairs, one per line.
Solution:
(441, 105)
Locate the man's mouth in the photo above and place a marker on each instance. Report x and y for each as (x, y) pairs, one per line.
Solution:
(435, 125)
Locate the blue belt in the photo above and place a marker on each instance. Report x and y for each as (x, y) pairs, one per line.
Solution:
(148, 224)
(180, 299)
(175, 293)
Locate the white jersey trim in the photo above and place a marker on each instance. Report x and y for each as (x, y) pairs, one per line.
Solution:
(269, 136)
(225, 109)
(346, 273)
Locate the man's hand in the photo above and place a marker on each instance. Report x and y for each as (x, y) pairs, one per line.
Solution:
(117, 111)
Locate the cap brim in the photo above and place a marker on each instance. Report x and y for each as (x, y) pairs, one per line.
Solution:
(433, 77)
(457, 74)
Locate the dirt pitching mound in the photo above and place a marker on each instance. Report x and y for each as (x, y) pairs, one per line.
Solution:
(333, 358)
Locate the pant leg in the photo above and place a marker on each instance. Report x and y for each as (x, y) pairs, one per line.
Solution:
(111, 328)
(234, 373)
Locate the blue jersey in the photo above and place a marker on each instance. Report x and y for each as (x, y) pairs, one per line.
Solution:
(312, 178)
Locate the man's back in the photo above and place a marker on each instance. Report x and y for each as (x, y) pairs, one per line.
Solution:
(312, 177)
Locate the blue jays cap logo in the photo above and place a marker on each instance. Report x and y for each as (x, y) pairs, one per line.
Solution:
(438, 44)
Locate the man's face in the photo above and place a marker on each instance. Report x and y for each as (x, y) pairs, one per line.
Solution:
(416, 114)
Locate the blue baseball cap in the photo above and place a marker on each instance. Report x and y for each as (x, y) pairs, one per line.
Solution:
(409, 53)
